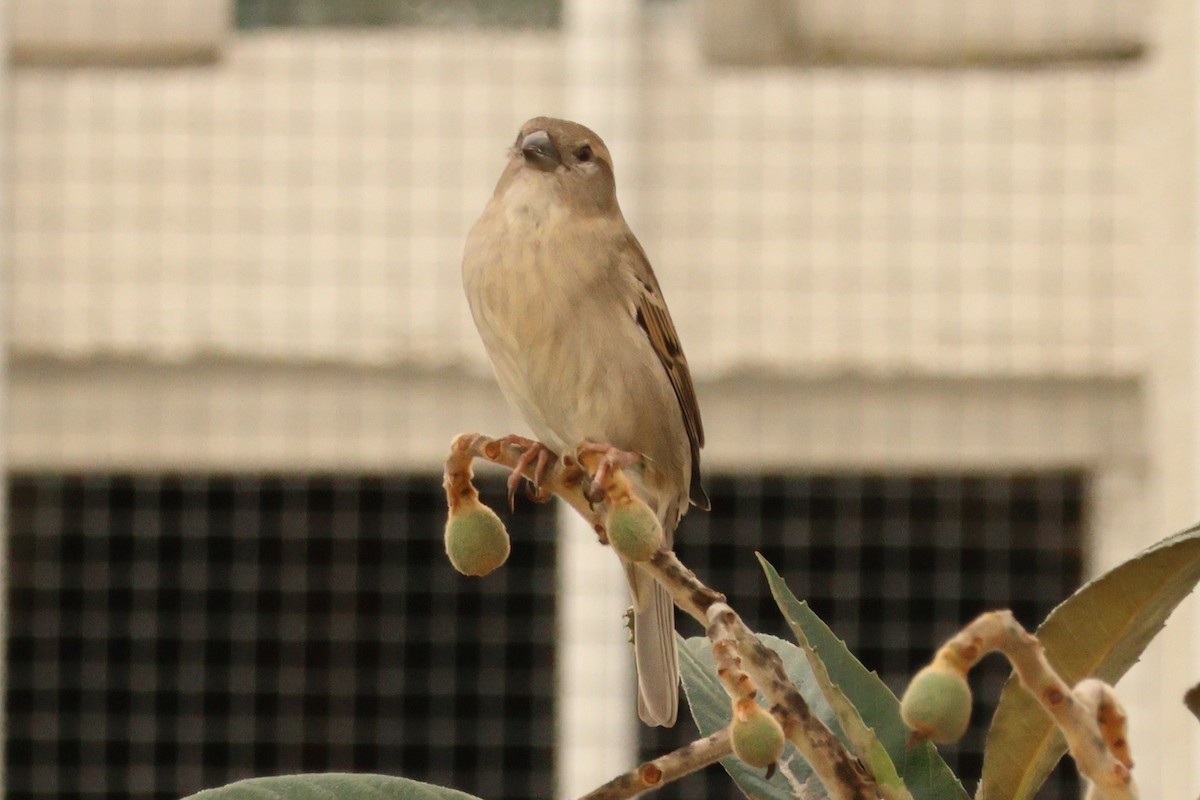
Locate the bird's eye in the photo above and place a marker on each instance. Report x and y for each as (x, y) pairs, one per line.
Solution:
(584, 153)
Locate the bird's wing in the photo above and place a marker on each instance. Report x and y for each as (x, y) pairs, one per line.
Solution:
(650, 310)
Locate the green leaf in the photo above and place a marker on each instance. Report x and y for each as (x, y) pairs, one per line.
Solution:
(712, 710)
(330, 786)
(860, 736)
(924, 773)
(1100, 631)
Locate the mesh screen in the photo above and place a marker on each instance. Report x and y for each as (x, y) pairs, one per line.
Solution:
(895, 565)
(173, 634)
(170, 634)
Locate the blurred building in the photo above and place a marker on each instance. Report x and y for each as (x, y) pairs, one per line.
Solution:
(911, 243)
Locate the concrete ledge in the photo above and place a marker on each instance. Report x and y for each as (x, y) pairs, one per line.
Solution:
(74, 33)
(923, 33)
(214, 415)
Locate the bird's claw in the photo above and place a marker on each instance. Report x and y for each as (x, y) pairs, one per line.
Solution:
(536, 454)
(535, 492)
(611, 458)
(514, 480)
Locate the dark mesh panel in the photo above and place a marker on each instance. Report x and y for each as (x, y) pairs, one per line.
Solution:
(170, 634)
(895, 565)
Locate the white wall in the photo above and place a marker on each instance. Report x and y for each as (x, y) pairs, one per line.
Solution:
(1170, 492)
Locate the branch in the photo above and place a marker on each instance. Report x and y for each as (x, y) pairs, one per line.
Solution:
(839, 771)
(565, 479)
(664, 769)
(1090, 716)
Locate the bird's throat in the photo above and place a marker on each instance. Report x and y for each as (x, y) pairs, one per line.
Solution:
(532, 206)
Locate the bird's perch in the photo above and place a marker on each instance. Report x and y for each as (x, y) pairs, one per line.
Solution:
(1089, 715)
(842, 775)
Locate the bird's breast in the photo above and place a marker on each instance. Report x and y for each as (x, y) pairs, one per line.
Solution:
(521, 281)
(528, 267)
(561, 337)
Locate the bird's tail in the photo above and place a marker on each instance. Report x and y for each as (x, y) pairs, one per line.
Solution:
(654, 639)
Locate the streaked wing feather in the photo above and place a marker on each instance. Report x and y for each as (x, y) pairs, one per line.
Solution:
(654, 318)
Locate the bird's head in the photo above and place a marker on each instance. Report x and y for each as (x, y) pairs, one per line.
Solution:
(567, 159)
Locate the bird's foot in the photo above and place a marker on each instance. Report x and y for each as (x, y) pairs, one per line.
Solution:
(610, 458)
(541, 458)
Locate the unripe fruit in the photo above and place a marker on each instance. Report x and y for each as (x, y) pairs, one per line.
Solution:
(937, 704)
(755, 734)
(476, 540)
(633, 530)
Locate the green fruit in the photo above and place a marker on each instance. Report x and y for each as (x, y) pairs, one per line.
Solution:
(937, 704)
(756, 735)
(476, 541)
(633, 530)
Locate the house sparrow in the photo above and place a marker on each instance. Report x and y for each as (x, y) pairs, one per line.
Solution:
(584, 348)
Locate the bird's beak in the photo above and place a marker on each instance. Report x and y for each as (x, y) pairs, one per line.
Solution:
(540, 152)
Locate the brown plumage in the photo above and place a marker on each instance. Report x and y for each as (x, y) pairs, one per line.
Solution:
(583, 345)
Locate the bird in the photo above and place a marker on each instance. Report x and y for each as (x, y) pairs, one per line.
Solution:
(582, 345)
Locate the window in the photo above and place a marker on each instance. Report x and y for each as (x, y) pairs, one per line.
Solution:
(173, 633)
(252, 14)
(895, 565)
(170, 634)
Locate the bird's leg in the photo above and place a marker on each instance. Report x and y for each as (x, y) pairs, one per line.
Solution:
(611, 458)
(533, 452)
